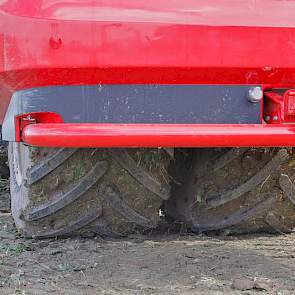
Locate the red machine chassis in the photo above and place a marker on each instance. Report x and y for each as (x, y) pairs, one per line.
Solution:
(45, 43)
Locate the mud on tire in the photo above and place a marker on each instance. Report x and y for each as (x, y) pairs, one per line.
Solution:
(61, 192)
(235, 190)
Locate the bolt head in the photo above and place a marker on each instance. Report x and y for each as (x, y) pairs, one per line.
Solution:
(267, 118)
(275, 118)
(255, 94)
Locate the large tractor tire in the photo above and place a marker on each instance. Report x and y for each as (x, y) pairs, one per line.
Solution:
(234, 191)
(109, 192)
(4, 170)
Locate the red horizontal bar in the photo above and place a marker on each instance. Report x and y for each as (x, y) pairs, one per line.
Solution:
(158, 135)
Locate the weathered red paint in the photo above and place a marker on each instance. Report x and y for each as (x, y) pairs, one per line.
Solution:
(157, 135)
(56, 42)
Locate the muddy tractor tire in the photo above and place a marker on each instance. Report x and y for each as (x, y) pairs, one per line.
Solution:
(4, 170)
(234, 191)
(109, 192)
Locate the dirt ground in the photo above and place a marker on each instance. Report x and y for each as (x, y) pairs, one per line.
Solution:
(172, 264)
(155, 264)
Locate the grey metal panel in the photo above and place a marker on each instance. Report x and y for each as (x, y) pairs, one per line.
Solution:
(193, 104)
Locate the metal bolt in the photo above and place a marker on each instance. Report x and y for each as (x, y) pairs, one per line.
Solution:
(275, 118)
(255, 94)
(267, 118)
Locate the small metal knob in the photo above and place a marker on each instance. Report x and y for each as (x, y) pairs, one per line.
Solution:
(255, 94)
(266, 118)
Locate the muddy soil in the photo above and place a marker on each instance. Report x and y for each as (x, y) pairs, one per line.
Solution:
(169, 264)
(161, 263)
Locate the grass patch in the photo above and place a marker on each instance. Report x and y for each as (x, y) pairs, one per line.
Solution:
(16, 249)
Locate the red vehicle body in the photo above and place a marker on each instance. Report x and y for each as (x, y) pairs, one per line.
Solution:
(83, 42)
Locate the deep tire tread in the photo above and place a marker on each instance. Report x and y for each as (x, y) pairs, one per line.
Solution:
(76, 225)
(228, 157)
(126, 161)
(112, 198)
(240, 191)
(273, 165)
(50, 163)
(87, 199)
(276, 224)
(63, 199)
(288, 187)
(237, 217)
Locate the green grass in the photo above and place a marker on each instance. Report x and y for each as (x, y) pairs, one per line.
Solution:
(17, 249)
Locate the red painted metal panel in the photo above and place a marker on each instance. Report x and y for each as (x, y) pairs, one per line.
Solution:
(57, 42)
(157, 135)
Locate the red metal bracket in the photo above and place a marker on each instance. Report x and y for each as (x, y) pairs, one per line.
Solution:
(24, 120)
(279, 108)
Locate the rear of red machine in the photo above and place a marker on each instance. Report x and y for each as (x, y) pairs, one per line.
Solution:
(123, 115)
(147, 74)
